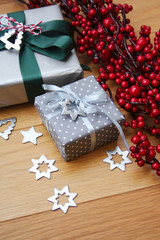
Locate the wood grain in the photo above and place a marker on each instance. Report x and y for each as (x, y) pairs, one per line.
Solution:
(132, 215)
(111, 204)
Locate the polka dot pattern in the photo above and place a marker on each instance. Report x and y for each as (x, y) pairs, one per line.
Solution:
(73, 138)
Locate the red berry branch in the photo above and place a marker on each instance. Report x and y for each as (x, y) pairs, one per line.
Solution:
(132, 62)
(37, 3)
(144, 152)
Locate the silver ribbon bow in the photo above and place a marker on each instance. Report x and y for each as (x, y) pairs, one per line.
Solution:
(67, 98)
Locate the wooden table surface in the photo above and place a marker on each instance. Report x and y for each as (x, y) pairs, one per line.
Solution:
(111, 204)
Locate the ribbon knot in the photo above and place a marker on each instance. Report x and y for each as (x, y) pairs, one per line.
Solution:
(76, 107)
(20, 27)
(71, 104)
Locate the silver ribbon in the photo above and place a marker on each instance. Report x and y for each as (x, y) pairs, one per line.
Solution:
(85, 106)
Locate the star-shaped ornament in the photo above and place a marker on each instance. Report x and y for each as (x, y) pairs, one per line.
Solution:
(36, 165)
(121, 165)
(8, 131)
(68, 204)
(67, 105)
(30, 136)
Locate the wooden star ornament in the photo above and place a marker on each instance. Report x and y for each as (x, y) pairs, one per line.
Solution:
(121, 165)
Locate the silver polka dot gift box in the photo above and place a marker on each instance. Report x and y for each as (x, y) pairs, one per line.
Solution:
(80, 117)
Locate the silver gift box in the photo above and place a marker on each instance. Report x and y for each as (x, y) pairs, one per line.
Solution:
(74, 138)
(12, 90)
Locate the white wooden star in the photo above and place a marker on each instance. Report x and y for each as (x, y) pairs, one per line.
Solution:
(30, 136)
(36, 163)
(121, 165)
(70, 202)
(66, 111)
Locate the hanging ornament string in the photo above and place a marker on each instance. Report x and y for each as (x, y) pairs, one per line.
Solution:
(20, 27)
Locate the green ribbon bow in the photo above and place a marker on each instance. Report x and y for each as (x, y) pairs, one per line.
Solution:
(55, 42)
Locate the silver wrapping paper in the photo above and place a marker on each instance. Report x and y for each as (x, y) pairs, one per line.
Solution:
(72, 137)
(55, 72)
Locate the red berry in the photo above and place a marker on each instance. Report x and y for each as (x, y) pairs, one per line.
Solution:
(141, 163)
(140, 118)
(132, 149)
(121, 102)
(143, 137)
(128, 106)
(118, 81)
(97, 1)
(154, 131)
(90, 53)
(149, 57)
(132, 155)
(151, 147)
(135, 91)
(138, 48)
(104, 86)
(81, 49)
(158, 148)
(138, 157)
(139, 133)
(134, 125)
(126, 124)
(142, 41)
(157, 97)
(154, 83)
(142, 151)
(112, 76)
(155, 165)
(110, 68)
(128, 28)
(135, 139)
(140, 59)
(102, 76)
(124, 84)
(92, 12)
(145, 82)
(107, 22)
(141, 124)
(111, 47)
(103, 10)
(155, 112)
(94, 33)
(112, 28)
(151, 153)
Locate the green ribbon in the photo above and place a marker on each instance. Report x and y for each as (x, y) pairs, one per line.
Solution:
(55, 42)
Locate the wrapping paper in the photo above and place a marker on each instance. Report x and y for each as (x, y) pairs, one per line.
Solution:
(12, 90)
(73, 138)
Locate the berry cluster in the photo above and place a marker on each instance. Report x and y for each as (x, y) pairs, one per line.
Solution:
(132, 62)
(37, 3)
(144, 152)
